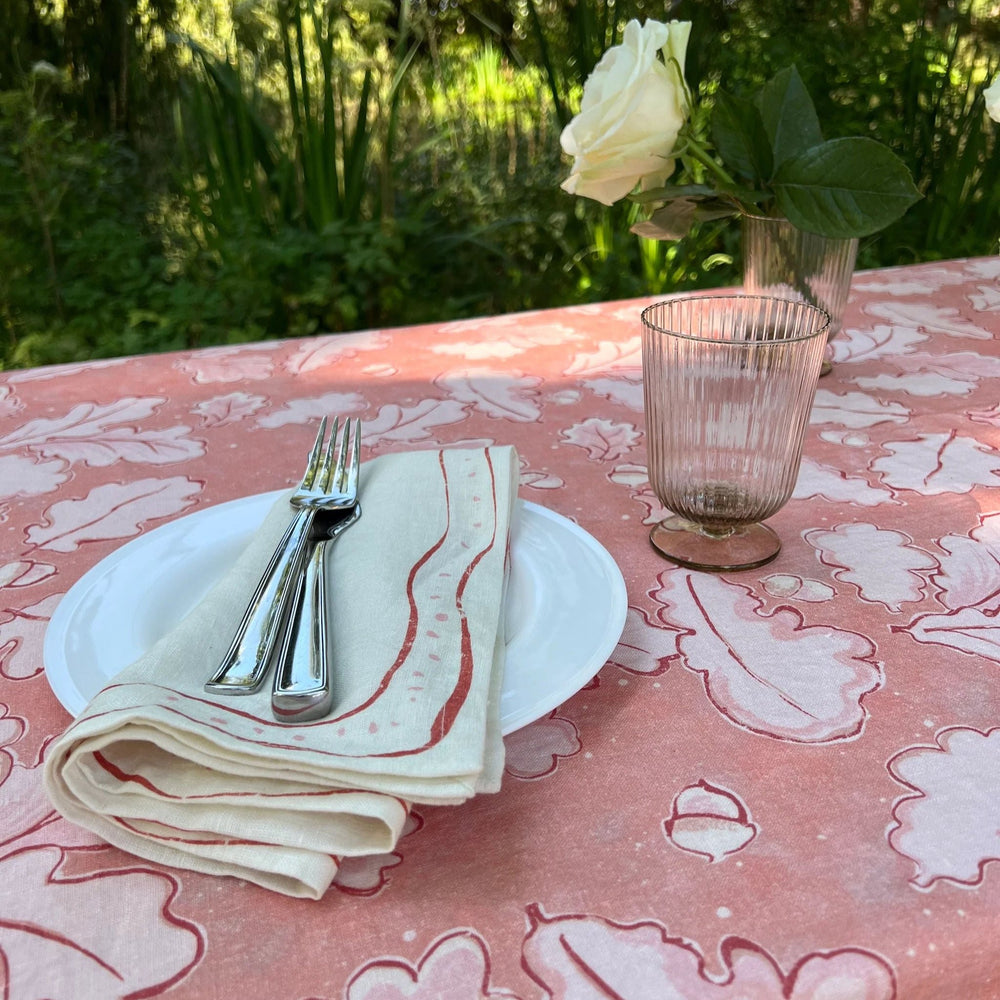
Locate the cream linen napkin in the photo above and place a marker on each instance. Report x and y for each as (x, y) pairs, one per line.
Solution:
(213, 783)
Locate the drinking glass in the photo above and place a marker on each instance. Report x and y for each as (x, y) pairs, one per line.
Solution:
(728, 383)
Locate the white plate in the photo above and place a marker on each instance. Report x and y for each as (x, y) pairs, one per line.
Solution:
(566, 604)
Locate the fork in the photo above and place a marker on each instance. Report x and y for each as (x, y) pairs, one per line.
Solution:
(302, 681)
(326, 485)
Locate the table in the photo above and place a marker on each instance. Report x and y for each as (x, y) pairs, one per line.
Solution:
(784, 783)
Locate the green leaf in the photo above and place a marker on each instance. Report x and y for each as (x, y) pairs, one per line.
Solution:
(789, 116)
(670, 191)
(844, 188)
(674, 220)
(740, 138)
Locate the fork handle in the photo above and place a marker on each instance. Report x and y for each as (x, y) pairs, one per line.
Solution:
(243, 668)
(302, 689)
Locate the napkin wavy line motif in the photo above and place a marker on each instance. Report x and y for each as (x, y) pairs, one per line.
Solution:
(446, 717)
(202, 841)
(120, 774)
(412, 624)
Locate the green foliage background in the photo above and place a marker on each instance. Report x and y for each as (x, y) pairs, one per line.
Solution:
(177, 173)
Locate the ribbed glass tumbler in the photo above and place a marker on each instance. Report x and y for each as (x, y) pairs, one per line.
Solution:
(728, 383)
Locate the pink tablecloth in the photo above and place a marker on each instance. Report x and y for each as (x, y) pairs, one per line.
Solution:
(785, 783)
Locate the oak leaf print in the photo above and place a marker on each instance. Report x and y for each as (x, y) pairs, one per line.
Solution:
(507, 343)
(968, 584)
(500, 325)
(987, 268)
(970, 568)
(585, 957)
(990, 416)
(603, 440)
(901, 284)
(624, 390)
(241, 363)
(21, 632)
(405, 424)
(936, 374)
(457, 964)
(874, 343)
(102, 435)
(536, 479)
(482, 350)
(534, 751)
(313, 409)
(229, 409)
(825, 482)
(855, 409)
(608, 355)
(636, 478)
(768, 673)
(52, 946)
(24, 573)
(974, 630)
(378, 370)
(112, 510)
(883, 565)
(924, 384)
(9, 403)
(987, 299)
(367, 875)
(933, 464)
(644, 648)
(926, 316)
(62, 371)
(318, 353)
(949, 827)
(506, 397)
(21, 476)
(29, 819)
(11, 730)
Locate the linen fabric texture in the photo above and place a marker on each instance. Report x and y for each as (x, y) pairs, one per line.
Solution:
(161, 769)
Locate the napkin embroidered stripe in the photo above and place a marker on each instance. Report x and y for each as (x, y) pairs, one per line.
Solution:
(413, 623)
(120, 774)
(446, 717)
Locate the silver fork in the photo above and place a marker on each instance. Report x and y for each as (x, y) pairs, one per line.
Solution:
(303, 680)
(326, 485)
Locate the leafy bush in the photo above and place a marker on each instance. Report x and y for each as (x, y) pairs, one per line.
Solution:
(334, 176)
(76, 249)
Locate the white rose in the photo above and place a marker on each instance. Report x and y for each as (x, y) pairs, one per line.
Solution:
(633, 106)
(992, 96)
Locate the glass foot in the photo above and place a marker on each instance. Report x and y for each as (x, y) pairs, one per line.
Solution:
(688, 544)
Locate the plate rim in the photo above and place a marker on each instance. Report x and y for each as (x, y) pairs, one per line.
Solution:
(57, 629)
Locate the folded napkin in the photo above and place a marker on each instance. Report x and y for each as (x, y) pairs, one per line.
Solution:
(159, 768)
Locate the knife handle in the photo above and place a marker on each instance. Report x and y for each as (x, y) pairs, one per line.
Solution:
(302, 689)
(243, 668)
